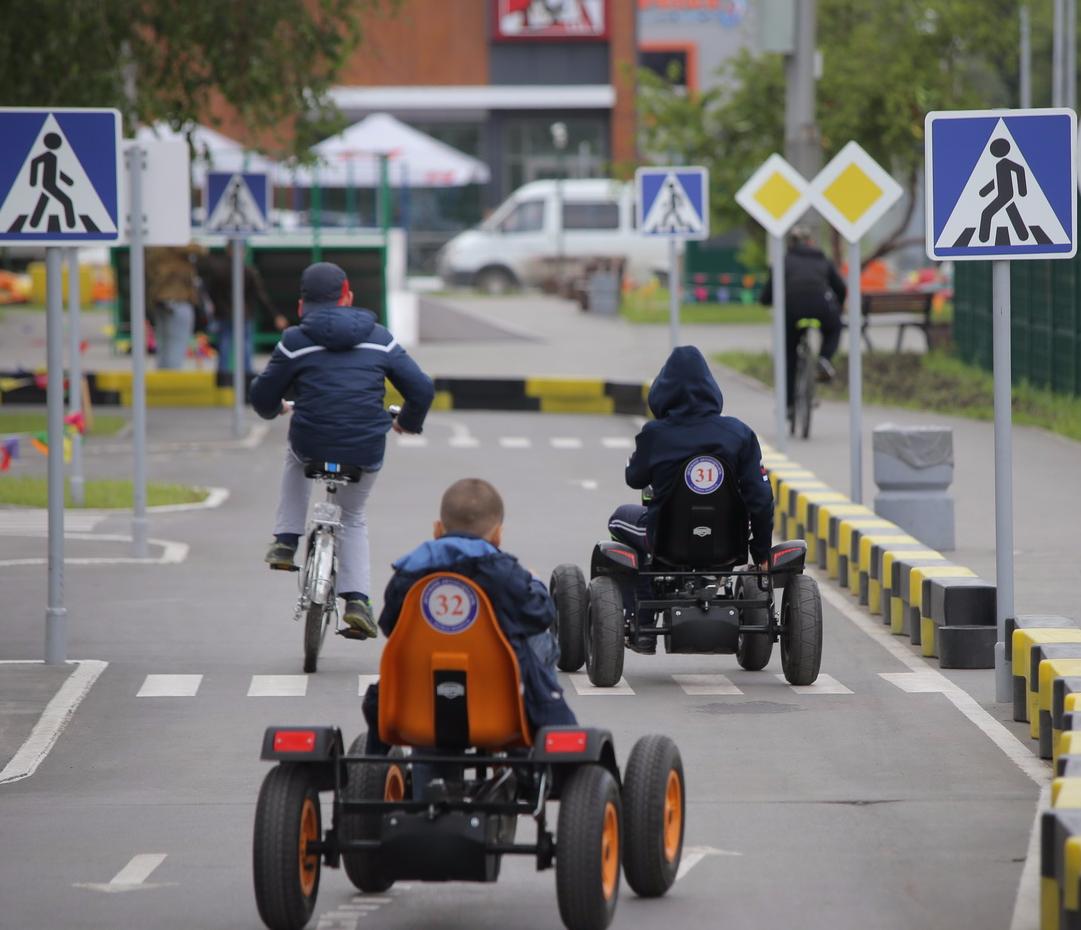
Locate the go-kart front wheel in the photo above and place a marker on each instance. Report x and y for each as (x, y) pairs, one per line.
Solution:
(589, 849)
(571, 596)
(606, 632)
(654, 801)
(286, 875)
(368, 781)
(801, 630)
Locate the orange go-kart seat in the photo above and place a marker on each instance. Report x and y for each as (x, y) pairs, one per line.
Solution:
(448, 677)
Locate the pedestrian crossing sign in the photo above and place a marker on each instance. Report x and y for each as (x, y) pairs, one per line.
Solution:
(1001, 184)
(672, 203)
(237, 203)
(59, 176)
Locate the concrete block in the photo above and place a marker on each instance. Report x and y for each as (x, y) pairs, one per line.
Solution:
(1038, 654)
(927, 515)
(1024, 640)
(1035, 622)
(912, 457)
(965, 646)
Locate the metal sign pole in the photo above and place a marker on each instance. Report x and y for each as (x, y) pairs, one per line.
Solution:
(239, 338)
(855, 374)
(55, 612)
(135, 155)
(673, 292)
(780, 342)
(1004, 607)
(75, 379)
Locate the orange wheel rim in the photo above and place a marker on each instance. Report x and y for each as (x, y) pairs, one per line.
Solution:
(673, 816)
(309, 833)
(394, 786)
(610, 851)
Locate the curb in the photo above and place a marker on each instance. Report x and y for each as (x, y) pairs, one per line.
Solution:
(201, 389)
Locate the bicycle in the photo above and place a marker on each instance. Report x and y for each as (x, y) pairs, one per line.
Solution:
(803, 395)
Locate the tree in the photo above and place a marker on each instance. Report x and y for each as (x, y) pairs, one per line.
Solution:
(886, 64)
(269, 61)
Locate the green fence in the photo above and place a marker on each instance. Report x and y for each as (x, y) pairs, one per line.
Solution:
(1046, 320)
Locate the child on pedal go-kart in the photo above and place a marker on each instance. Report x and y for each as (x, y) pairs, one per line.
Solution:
(467, 539)
(687, 403)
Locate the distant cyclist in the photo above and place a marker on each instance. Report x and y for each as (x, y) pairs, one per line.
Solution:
(337, 362)
(813, 289)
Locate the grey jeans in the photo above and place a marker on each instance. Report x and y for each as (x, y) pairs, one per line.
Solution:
(174, 323)
(354, 555)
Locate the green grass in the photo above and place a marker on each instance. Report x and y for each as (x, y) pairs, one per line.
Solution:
(652, 307)
(25, 491)
(12, 421)
(936, 382)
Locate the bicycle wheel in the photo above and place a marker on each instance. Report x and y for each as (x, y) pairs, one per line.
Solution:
(319, 589)
(315, 631)
(809, 378)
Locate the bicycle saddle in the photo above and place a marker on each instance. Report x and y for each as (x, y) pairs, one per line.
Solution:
(315, 469)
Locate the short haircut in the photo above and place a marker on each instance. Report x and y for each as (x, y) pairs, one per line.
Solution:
(471, 506)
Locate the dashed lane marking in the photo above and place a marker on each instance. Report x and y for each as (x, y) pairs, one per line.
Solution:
(363, 681)
(825, 684)
(170, 686)
(35, 521)
(565, 442)
(133, 877)
(583, 685)
(692, 855)
(464, 442)
(413, 442)
(706, 684)
(617, 442)
(278, 686)
(515, 442)
(914, 682)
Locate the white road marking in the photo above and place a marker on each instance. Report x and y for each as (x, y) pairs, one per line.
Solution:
(706, 684)
(363, 681)
(914, 682)
(54, 718)
(170, 686)
(583, 685)
(172, 553)
(413, 442)
(692, 855)
(1014, 749)
(133, 877)
(566, 442)
(278, 686)
(826, 684)
(587, 484)
(34, 521)
(1026, 906)
(515, 442)
(215, 498)
(617, 442)
(464, 442)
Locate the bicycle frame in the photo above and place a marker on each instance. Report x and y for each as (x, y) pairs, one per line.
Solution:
(316, 581)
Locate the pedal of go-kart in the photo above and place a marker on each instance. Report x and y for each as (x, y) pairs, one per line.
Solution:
(349, 633)
(284, 566)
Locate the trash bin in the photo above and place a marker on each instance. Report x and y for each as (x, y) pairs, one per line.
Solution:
(913, 469)
(604, 293)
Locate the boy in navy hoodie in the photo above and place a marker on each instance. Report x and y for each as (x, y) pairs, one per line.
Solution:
(468, 535)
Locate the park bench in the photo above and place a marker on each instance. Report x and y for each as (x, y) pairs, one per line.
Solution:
(897, 308)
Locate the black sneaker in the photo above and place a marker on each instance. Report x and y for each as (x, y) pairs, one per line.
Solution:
(826, 372)
(359, 618)
(280, 557)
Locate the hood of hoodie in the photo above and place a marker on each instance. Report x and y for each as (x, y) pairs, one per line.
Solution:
(444, 553)
(685, 387)
(336, 328)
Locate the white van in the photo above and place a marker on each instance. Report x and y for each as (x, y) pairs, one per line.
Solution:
(515, 245)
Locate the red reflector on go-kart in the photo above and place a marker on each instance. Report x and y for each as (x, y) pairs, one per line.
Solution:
(565, 741)
(294, 740)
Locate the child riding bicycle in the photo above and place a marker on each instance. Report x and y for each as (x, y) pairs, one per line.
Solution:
(336, 362)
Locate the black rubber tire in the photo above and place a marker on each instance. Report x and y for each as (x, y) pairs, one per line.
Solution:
(754, 650)
(495, 281)
(571, 596)
(313, 636)
(605, 632)
(279, 895)
(649, 871)
(579, 839)
(366, 782)
(801, 630)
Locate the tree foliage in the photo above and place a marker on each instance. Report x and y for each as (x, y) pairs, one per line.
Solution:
(270, 61)
(886, 64)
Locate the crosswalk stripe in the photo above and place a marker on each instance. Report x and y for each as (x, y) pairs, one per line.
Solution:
(170, 686)
(826, 684)
(617, 442)
(515, 442)
(363, 681)
(278, 686)
(706, 684)
(566, 442)
(583, 685)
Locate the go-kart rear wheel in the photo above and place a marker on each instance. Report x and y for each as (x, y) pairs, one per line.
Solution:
(368, 781)
(605, 634)
(753, 650)
(801, 630)
(286, 875)
(654, 800)
(588, 849)
(571, 596)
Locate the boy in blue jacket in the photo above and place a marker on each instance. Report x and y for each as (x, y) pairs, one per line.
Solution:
(468, 535)
(337, 362)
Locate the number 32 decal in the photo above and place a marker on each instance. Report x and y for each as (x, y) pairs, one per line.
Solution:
(448, 605)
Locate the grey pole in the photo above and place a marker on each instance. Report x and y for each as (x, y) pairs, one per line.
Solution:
(1057, 45)
(135, 156)
(56, 615)
(239, 338)
(855, 374)
(1026, 58)
(780, 343)
(673, 292)
(75, 378)
(1004, 607)
(1069, 57)
(802, 146)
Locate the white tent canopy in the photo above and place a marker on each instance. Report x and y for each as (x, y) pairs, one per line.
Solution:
(213, 151)
(414, 159)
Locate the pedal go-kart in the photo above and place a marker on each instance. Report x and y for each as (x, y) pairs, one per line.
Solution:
(692, 590)
(449, 680)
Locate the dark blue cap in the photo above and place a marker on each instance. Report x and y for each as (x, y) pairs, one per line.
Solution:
(323, 283)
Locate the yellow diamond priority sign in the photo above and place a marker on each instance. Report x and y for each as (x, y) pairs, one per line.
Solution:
(853, 192)
(775, 195)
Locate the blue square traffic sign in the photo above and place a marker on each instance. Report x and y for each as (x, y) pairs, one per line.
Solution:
(237, 203)
(59, 176)
(1001, 184)
(673, 203)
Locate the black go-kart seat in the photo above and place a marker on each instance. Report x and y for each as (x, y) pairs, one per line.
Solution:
(703, 524)
(334, 470)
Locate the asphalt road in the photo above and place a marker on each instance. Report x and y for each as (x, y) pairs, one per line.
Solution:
(854, 805)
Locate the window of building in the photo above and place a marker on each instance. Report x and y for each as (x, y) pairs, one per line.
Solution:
(528, 216)
(600, 214)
